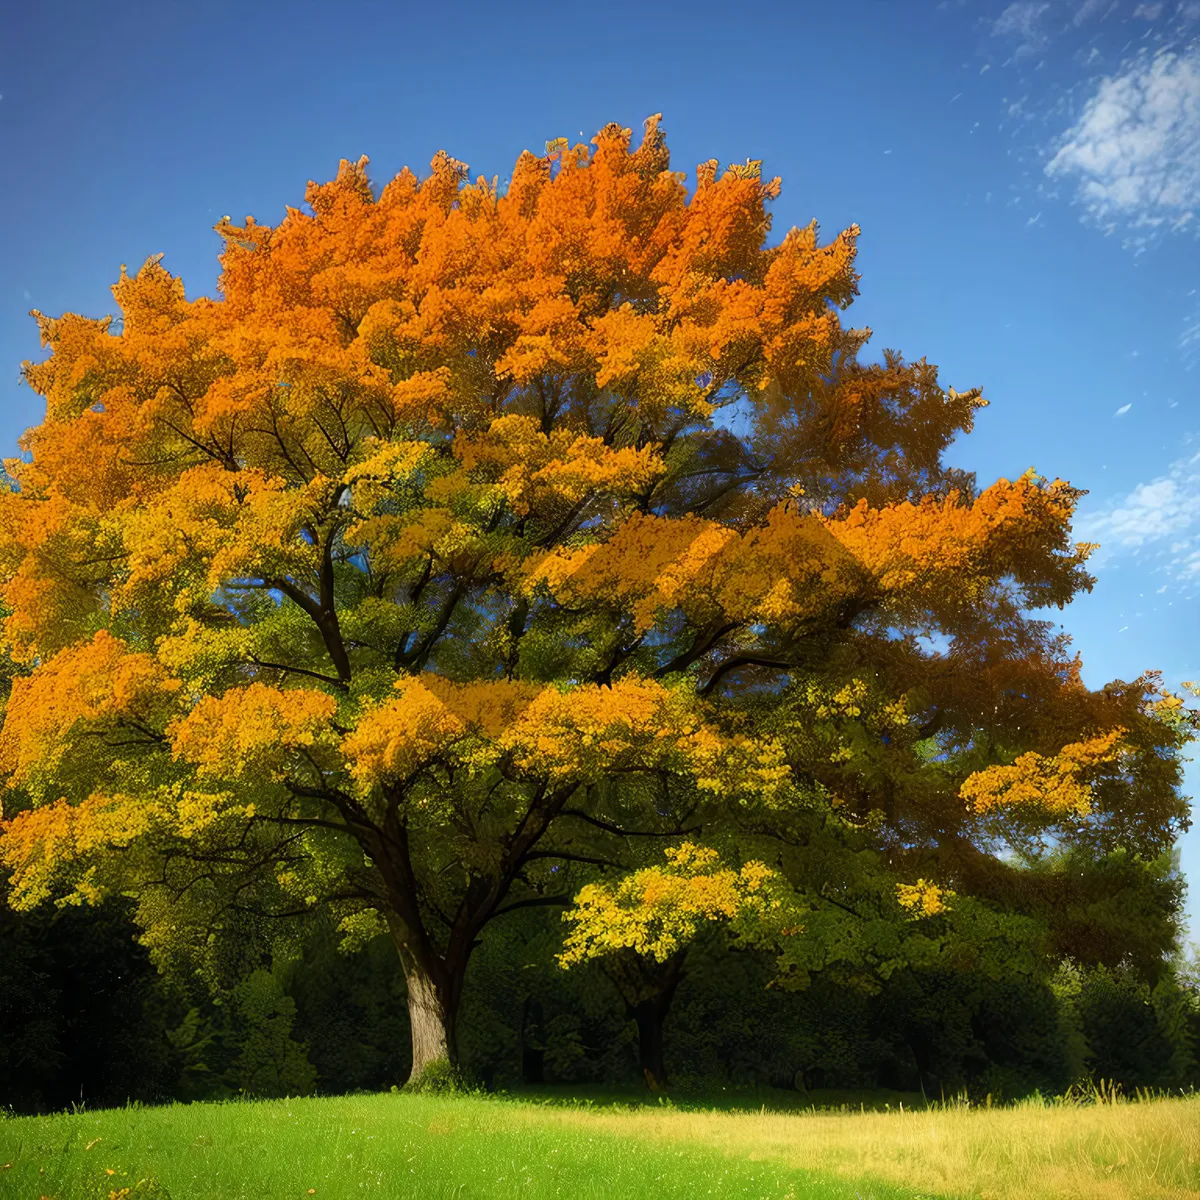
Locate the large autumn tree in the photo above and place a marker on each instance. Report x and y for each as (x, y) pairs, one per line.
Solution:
(465, 528)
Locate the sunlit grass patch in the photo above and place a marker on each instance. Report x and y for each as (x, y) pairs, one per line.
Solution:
(1106, 1150)
(435, 1146)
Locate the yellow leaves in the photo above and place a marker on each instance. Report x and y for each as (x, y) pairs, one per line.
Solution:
(97, 681)
(395, 540)
(584, 732)
(196, 812)
(251, 730)
(924, 898)
(387, 462)
(739, 767)
(215, 526)
(528, 467)
(1058, 785)
(383, 476)
(656, 911)
(47, 592)
(36, 845)
(44, 845)
(553, 735)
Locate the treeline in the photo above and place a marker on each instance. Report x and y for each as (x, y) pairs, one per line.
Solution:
(88, 1019)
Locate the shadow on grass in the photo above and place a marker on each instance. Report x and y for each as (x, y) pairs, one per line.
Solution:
(720, 1099)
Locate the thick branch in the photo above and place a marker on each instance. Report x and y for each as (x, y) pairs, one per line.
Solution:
(743, 660)
(610, 828)
(700, 647)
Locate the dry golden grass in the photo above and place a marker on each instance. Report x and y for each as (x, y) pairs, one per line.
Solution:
(1114, 1151)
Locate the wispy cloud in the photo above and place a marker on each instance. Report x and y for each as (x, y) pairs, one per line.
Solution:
(1122, 410)
(1189, 340)
(1022, 20)
(1134, 153)
(1160, 519)
(1088, 9)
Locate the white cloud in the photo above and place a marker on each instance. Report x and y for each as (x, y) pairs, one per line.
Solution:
(1148, 12)
(1161, 518)
(1022, 20)
(1087, 10)
(1122, 410)
(1134, 153)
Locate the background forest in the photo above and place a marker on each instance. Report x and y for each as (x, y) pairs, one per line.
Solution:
(88, 1020)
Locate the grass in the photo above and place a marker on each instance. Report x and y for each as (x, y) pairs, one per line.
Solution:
(443, 1146)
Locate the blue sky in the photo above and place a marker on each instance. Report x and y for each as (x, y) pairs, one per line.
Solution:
(1026, 176)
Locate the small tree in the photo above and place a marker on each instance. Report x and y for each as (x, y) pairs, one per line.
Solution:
(639, 931)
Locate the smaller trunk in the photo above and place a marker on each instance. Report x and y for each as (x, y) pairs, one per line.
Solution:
(650, 1015)
(533, 1043)
(648, 987)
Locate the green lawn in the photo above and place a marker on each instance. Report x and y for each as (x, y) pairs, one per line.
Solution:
(544, 1142)
(387, 1146)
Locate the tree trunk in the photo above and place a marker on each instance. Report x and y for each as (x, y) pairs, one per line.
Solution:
(647, 987)
(432, 1014)
(434, 990)
(650, 1015)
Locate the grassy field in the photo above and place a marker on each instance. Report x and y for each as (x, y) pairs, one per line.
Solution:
(426, 1146)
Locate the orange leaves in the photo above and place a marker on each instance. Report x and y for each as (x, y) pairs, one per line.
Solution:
(94, 682)
(252, 731)
(938, 554)
(1058, 785)
(542, 435)
(643, 566)
(38, 844)
(427, 717)
(418, 314)
(153, 301)
(1012, 528)
(582, 734)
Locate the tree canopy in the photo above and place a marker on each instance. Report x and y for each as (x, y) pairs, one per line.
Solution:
(468, 531)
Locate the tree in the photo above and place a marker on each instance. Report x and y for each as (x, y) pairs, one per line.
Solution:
(463, 520)
(639, 932)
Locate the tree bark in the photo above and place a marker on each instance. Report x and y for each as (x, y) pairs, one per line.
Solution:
(434, 990)
(432, 1016)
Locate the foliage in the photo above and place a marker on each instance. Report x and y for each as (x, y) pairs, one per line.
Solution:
(657, 911)
(270, 1062)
